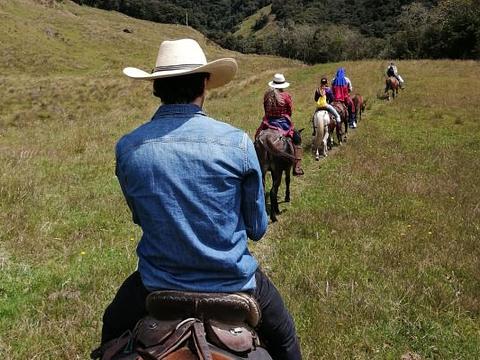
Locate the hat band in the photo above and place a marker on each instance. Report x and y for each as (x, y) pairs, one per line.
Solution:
(279, 82)
(176, 67)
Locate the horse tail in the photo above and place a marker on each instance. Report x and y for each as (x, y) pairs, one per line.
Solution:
(321, 119)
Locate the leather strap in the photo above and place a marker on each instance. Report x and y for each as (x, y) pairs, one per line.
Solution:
(200, 339)
(113, 347)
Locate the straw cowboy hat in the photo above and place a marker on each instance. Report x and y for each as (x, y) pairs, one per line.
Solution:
(183, 57)
(278, 82)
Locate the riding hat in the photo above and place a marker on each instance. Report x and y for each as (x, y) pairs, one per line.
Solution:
(184, 57)
(278, 82)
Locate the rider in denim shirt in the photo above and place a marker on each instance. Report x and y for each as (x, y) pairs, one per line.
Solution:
(194, 186)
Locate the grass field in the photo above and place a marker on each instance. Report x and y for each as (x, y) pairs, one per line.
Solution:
(377, 255)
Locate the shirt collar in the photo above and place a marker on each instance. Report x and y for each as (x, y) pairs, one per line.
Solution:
(171, 109)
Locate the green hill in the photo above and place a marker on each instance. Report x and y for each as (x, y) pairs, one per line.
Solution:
(376, 255)
(247, 27)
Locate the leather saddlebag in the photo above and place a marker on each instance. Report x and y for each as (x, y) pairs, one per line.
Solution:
(239, 339)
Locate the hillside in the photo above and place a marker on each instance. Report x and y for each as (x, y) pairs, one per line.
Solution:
(261, 23)
(209, 17)
(333, 30)
(376, 256)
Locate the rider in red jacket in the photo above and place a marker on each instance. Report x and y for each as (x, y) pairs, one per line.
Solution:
(342, 87)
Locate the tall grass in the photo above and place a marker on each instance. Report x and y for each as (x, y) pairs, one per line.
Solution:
(377, 254)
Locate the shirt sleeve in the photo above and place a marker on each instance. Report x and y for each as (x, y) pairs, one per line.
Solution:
(123, 185)
(289, 103)
(329, 93)
(349, 84)
(253, 198)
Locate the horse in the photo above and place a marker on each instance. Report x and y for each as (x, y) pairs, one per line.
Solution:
(360, 105)
(324, 126)
(391, 84)
(343, 112)
(191, 326)
(275, 154)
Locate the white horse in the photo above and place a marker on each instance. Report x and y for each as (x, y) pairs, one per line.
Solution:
(321, 120)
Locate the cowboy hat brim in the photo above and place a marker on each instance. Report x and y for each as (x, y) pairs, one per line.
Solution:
(279, 86)
(221, 71)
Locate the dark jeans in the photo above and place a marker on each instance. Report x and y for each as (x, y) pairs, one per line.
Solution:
(276, 328)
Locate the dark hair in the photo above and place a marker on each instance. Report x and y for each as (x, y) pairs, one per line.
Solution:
(180, 89)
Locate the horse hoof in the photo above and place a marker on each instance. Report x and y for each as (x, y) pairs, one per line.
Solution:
(317, 158)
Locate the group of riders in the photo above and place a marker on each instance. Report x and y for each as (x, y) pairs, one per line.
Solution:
(194, 186)
(278, 106)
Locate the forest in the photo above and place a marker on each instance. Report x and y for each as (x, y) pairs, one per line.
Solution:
(318, 31)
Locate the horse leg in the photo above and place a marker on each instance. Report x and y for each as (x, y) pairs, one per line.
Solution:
(287, 185)
(325, 139)
(273, 204)
(315, 146)
(338, 130)
(276, 185)
(345, 123)
(276, 180)
(264, 174)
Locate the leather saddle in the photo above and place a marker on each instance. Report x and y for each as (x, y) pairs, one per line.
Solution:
(185, 325)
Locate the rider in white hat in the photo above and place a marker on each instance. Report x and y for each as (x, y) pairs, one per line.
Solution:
(278, 106)
(194, 186)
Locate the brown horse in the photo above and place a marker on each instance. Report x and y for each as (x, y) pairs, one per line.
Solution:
(191, 326)
(360, 104)
(275, 154)
(343, 112)
(391, 84)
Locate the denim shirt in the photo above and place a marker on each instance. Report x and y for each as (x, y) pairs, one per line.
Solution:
(194, 186)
